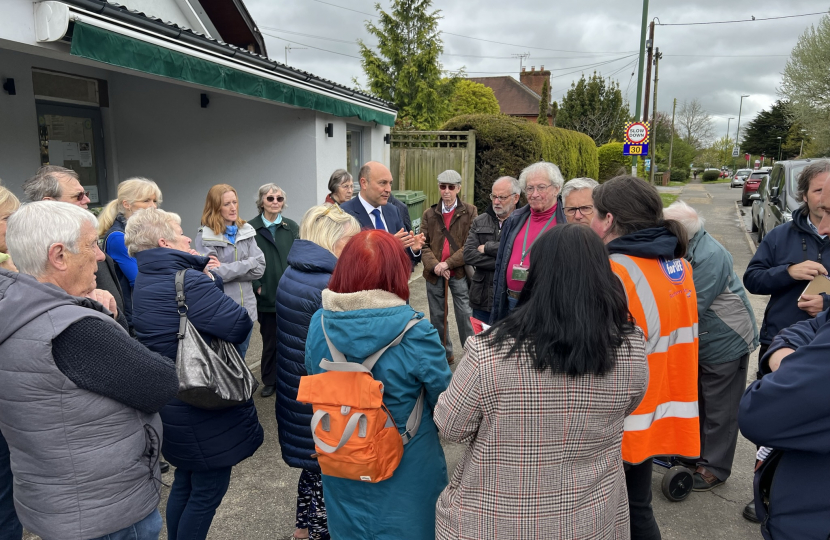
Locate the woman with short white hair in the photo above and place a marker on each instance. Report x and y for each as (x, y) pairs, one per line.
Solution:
(8, 205)
(203, 445)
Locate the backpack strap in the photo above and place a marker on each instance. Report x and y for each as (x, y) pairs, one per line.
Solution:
(356, 421)
(180, 303)
(340, 363)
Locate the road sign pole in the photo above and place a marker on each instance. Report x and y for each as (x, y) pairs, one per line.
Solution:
(639, 99)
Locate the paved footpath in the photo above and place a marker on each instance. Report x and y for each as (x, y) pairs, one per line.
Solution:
(260, 503)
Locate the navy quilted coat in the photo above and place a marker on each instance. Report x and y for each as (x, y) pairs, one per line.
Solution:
(194, 439)
(298, 298)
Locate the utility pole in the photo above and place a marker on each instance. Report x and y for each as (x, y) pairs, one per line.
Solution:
(671, 135)
(653, 137)
(289, 48)
(727, 138)
(650, 49)
(639, 99)
(521, 57)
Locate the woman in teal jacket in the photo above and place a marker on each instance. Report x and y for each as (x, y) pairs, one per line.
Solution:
(364, 310)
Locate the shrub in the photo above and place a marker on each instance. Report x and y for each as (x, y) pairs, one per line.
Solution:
(506, 145)
(679, 174)
(710, 176)
(612, 162)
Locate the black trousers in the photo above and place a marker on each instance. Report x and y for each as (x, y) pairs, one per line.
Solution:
(268, 331)
(638, 485)
(720, 387)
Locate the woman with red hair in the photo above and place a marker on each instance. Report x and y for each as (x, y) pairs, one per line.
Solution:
(365, 309)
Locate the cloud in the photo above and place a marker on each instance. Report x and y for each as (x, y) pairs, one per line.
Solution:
(713, 63)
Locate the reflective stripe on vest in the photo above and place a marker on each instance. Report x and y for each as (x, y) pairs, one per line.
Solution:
(662, 300)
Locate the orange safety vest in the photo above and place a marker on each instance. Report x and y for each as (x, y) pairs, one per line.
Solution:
(662, 300)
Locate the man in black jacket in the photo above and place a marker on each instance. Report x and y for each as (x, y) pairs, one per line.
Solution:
(482, 243)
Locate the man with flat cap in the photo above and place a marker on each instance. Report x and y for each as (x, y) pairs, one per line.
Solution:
(445, 226)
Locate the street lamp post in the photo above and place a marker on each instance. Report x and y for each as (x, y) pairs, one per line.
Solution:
(727, 139)
(738, 133)
(779, 148)
(801, 152)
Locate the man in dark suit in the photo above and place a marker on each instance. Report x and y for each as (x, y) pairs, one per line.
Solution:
(371, 210)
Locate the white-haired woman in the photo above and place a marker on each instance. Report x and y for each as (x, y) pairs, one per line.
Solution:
(324, 232)
(274, 236)
(541, 183)
(134, 194)
(204, 445)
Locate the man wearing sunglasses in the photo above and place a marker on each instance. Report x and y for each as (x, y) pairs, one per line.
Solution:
(446, 226)
(578, 198)
(53, 183)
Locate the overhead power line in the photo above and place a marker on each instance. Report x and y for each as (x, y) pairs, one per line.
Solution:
(753, 19)
(311, 46)
(481, 39)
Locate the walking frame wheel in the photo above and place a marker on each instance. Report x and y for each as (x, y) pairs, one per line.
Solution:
(677, 483)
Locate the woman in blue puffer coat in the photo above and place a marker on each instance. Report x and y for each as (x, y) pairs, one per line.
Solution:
(324, 232)
(202, 444)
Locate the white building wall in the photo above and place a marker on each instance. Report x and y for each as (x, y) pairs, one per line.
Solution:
(164, 134)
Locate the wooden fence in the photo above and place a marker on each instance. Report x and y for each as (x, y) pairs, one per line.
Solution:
(418, 157)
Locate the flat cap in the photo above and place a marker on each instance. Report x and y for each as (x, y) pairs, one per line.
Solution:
(449, 177)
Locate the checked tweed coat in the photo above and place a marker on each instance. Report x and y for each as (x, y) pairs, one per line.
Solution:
(543, 459)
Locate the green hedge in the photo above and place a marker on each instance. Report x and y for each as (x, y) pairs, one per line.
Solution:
(612, 162)
(506, 145)
(680, 174)
(710, 176)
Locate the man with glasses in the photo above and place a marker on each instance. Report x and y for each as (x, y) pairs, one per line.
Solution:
(541, 182)
(482, 243)
(579, 201)
(53, 183)
(445, 226)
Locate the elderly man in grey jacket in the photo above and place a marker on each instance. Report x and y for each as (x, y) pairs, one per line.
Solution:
(728, 334)
(79, 398)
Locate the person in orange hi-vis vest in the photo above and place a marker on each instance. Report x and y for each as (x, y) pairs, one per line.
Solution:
(647, 255)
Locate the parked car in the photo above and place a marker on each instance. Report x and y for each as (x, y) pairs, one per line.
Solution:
(751, 185)
(740, 177)
(757, 210)
(779, 199)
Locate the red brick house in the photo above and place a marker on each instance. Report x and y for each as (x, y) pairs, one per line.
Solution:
(519, 98)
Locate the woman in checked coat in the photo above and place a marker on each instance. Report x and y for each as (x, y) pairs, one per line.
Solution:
(541, 398)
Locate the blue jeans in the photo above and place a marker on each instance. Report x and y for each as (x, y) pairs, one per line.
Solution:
(511, 303)
(148, 528)
(483, 316)
(10, 527)
(242, 348)
(193, 501)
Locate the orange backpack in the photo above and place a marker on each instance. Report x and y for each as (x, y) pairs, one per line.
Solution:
(354, 433)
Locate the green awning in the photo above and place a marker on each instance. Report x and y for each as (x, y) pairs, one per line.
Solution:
(111, 48)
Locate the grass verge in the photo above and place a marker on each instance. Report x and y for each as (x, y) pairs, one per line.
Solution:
(668, 198)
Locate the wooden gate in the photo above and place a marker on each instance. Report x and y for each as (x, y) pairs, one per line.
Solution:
(418, 157)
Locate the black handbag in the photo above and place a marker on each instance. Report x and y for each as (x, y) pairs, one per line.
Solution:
(210, 377)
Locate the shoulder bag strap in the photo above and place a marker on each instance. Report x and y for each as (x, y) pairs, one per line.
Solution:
(180, 303)
(447, 235)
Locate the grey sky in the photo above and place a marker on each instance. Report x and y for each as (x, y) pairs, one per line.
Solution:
(596, 30)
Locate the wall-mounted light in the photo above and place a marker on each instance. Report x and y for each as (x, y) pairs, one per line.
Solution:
(8, 86)
(205, 101)
(329, 129)
(387, 138)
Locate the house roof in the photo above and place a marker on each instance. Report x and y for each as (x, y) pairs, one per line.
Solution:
(515, 98)
(234, 53)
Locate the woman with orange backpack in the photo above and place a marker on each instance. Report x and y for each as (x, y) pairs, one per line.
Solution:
(364, 312)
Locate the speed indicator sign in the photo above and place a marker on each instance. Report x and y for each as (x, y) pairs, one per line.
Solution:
(636, 132)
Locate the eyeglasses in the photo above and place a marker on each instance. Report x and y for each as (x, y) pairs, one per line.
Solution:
(536, 189)
(447, 187)
(270, 198)
(348, 184)
(80, 196)
(500, 198)
(584, 210)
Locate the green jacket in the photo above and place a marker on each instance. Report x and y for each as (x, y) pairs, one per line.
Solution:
(726, 326)
(276, 259)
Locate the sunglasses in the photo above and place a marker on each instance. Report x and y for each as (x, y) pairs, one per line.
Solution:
(447, 187)
(270, 198)
(80, 196)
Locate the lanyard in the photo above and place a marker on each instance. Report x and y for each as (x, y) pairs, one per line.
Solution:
(526, 249)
